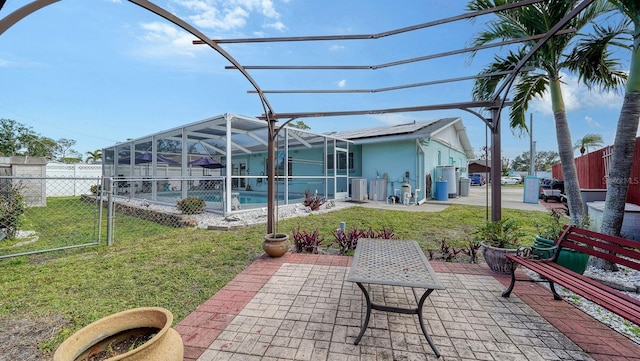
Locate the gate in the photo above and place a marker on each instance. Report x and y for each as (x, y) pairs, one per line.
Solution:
(43, 214)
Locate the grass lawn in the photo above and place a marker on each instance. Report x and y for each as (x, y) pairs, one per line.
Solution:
(154, 265)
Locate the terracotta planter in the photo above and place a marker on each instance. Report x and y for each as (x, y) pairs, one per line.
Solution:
(496, 260)
(166, 345)
(276, 244)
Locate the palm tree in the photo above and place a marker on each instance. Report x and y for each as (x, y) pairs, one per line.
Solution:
(94, 157)
(589, 54)
(547, 62)
(589, 140)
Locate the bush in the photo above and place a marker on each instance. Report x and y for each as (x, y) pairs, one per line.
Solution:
(306, 242)
(314, 202)
(348, 241)
(191, 205)
(12, 208)
(94, 189)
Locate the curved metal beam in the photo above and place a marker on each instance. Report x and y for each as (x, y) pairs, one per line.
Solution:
(11, 19)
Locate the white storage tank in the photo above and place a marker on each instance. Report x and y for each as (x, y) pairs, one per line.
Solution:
(448, 173)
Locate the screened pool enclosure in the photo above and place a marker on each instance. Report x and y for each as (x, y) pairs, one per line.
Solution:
(223, 160)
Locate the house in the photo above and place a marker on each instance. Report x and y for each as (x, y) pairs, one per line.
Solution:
(407, 159)
(398, 160)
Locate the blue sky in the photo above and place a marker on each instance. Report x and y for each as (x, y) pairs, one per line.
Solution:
(104, 71)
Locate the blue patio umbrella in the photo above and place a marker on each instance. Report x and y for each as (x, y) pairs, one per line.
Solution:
(206, 162)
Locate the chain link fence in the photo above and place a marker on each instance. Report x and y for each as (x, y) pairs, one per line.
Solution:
(40, 214)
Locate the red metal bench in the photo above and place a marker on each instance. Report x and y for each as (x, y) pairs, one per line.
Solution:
(618, 250)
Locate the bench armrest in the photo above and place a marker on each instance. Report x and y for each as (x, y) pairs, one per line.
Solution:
(537, 253)
(544, 253)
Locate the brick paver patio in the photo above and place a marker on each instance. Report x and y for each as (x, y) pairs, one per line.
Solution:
(300, 307)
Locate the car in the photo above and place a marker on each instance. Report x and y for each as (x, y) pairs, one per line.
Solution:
(508, 180)
(517, 178)
(476, 179)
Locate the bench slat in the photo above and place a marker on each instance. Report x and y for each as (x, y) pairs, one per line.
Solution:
(603, 295)
(576, 240)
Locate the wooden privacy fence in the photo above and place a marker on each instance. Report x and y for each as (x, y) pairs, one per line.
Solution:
(593, 168)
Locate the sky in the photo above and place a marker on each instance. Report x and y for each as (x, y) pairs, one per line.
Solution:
(105, 71)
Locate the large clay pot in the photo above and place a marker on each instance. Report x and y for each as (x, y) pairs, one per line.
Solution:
(496, 260)
(276, 244)
(166, 345)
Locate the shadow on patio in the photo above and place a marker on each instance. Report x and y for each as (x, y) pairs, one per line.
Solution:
(300, 307)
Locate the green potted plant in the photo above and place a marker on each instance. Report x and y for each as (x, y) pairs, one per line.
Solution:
(548, 231)
(498, 238)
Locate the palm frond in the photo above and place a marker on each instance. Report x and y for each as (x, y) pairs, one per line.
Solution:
(593, 61)
(528, 87)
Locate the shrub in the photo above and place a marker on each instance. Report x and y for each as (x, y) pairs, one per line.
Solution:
(550, 228)
(313, 201)
(499, 234)
(191, 205)
(12, 208)
(306, 242)
(347, 241)
(94, 189)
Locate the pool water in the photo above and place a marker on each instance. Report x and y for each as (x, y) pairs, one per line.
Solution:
(244, 197)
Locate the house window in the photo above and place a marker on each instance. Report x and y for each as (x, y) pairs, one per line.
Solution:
(439, 158)
(451, 161)
(280, 167)
(342, 161)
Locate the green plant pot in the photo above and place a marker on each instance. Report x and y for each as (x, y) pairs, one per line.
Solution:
(568, 258)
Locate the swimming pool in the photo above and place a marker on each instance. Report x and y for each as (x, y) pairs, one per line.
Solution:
(244, 197)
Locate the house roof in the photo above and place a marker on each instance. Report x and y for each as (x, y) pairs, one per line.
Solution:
(413, 130)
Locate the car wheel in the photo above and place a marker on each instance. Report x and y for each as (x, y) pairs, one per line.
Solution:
(544, 198)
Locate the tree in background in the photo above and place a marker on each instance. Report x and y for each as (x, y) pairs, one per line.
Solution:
(506, 165)
(300, 125)
(547, 64)
(64, 153)
(589, 140)
(543, 162)
(94, 157)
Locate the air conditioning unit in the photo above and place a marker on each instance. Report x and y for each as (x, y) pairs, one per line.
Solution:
(358, 189)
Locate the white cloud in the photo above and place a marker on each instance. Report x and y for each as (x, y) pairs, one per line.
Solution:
(163, 39)
(220, 16)
(592, 123)
(578, 97)
(277, 26)
(342, 83)
(336, 48)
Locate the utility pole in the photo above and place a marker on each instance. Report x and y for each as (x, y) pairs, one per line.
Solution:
(532, 150)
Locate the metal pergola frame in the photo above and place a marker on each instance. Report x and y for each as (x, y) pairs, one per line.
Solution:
(494, 105)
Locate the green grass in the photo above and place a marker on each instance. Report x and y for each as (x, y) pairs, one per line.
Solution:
(154, 265)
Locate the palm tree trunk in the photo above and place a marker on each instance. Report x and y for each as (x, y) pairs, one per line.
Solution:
(618, 179)
(565, 150)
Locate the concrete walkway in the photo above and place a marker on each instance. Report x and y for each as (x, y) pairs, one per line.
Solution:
(300, 307)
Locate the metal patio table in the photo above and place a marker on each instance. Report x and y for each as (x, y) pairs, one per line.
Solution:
(395, 263)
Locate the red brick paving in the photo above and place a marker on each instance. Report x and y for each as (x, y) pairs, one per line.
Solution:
(200, 328)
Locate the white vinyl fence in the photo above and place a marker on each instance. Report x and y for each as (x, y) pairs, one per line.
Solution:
(76, 171)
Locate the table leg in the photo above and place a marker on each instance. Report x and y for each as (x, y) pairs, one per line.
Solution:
(366, 318)
(421, 320)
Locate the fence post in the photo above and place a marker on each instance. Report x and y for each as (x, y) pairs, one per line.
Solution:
(110, 200)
